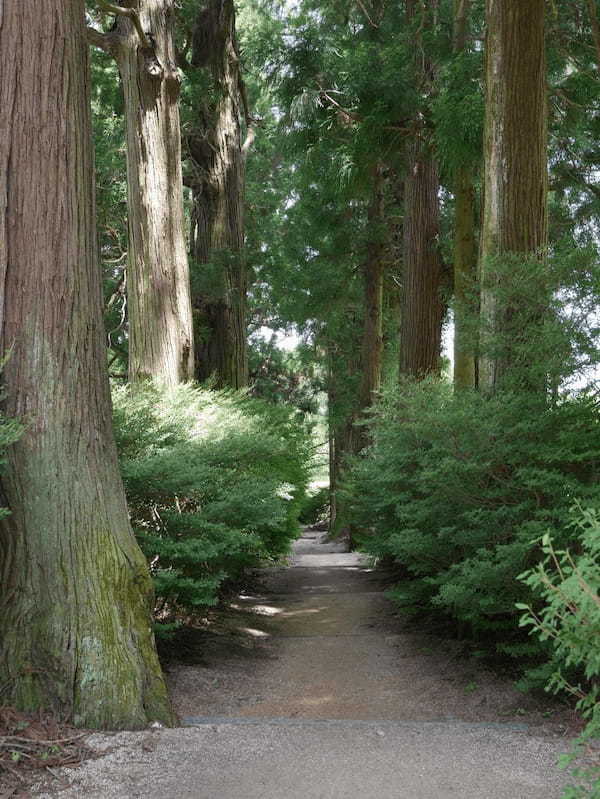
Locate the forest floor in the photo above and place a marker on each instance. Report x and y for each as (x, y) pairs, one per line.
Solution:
(312, 687)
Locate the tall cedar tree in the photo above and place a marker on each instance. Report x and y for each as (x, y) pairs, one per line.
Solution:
(422, 308)
(363, 366)
(516, 183)
(158, 287)
(218, 148)
(75, 592)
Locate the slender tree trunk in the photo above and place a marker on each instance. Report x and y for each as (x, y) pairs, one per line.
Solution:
(422, 308)
(366, 368)
(465, 245)
(334, 462)
(343, 380)
(75, 592)
(515, 207)
(465, 273)
(158, 285)
(372, 340)
(218, 155)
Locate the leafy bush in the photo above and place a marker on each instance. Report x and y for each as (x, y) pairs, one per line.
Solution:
(215, 482)
(457, 489)
(315, 507)
(569, 586)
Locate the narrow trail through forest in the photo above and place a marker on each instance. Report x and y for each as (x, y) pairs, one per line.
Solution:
(313, 688)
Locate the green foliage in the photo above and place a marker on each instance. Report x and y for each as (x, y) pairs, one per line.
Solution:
(279, 375)
(458, 113)
(315, 507)
(215, 482)
(459, 488)
(568, 583)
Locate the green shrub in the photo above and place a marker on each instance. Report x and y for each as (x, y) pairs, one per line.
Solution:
(315, 507)
(215, 482)
(457, 489)
(569, 586)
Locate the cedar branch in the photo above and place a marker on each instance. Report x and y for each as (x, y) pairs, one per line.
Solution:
(366, 13)
(133, 15)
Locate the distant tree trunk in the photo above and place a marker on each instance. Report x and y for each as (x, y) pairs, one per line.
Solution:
(354, 375)
(158, 286)
(422, 307)
(333, 435)
(218, 154)
(366, 364)
(465, 245)
(373, 266)
(343, 380)
(75, 592)
(515, 208)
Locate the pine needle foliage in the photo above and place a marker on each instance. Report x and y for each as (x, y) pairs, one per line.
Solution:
(215, 481)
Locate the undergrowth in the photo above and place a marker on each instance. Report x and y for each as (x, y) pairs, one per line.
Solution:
(568, 583)
(215, 481)
(458, 490)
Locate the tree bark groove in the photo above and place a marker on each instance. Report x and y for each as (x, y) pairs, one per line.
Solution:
(422, 307)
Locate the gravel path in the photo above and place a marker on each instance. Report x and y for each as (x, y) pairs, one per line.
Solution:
(312, 688)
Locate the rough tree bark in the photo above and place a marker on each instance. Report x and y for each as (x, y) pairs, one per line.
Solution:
(515, 207)
(158, 285)
(217, 149)
(422, 308)
(465, 244)
(75, 592)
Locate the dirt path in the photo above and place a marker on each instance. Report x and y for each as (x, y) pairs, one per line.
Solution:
(312, 688)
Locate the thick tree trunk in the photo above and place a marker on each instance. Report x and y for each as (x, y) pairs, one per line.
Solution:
(75, 592)
(422, 308)
(465, 245)
(218, 155)
(158, 285)
(515, 208)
